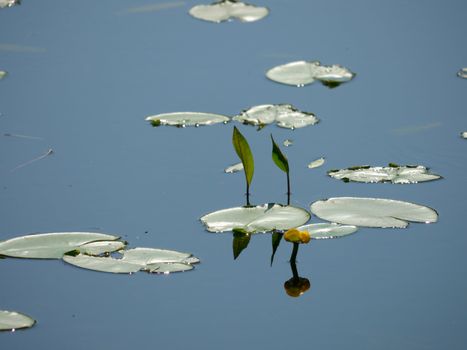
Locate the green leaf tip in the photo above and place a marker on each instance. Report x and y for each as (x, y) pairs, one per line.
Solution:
(278, 157)
(156, 122)
(244, 153)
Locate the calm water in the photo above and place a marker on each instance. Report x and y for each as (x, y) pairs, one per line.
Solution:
(82, 77)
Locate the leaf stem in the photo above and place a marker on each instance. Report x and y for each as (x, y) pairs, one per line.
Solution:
(293, 257)
(288, 189)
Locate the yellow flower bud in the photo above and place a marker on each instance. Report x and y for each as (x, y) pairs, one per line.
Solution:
(292, 235)
(304, 237)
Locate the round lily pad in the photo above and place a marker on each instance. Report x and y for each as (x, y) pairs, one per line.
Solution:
(12, 320)
(328, 231)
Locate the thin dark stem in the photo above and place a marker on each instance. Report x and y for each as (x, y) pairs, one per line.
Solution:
(293, 266)
(288, 189)
(293, 257)
(247, 194)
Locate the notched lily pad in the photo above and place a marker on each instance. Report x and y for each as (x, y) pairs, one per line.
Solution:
(302, 73)
(255, 219)
(9, 3)
(50, 245)
(392, 173)
(462, 73)
(372, 212)
(225, 10)
(284, 115)
(137, 259)
(234, 168)
(12, 320)
(328, 231)
(183, 119)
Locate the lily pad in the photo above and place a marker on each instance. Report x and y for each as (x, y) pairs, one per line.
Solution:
(9, 3)
(261, 218)
(234, 168)
(316, 163)
(101, 247)
(328, 231)
(392, 173)
(183, 119)
(464, 134)
(284, 115)
(137, 259)
(372, 212)
(3, 74)
(462, 73)
(228, 9)
(49, 245)
(12, 320)
(302, 73)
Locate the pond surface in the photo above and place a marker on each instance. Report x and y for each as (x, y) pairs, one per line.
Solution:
(82, 77)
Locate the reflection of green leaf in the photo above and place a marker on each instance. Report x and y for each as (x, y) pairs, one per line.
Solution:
(276, 240)
(240, 242)
(278, 157)
(244, 153)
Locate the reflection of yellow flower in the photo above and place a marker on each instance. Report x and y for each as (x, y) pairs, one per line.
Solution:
(295, 236)
(295, 287)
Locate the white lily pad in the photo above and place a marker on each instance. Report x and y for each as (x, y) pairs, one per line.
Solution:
(372, 212)
(12, 320)
(3, 74)
(316, 163)
(301, 73)
(101, 247)
(9, 3)
(234, 168)
(227, 9)
(49, 245)
(261, 218)
(462, 73)
(284, 115)
(393, 173)
(137, 259)
(183, 119)
(328, 231)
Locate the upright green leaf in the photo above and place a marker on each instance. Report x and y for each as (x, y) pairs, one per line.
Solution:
(278, 157)
(244, 153)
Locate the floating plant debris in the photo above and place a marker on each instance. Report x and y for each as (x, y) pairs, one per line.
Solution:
(301, 73)
(255, 219)
(284, 115)
(234, 168)
(9, 3)
(3, 74)
(183, 119)
(137, 259)
(12, 320)
(462, 73)
(464, 134)
(316, 163)
(328, 231)
(52, 245)
(46, 154)
(225, 10)
(287, 143)
(393, 173)
(372, 212)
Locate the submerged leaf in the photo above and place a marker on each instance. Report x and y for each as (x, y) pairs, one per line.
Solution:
(301, 73)
(244, 153)
(49, 245)
(226, 9)
(372, 212)
(327, 231)
(278, 157)
(12, 320)
(284, 115)
(261, 218)
(316, 163)
(183, 119)
(392, 173)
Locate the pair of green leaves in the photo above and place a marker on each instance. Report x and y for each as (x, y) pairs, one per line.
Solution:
(243, 151)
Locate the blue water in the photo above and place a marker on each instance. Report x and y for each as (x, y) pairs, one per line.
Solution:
(84, 74)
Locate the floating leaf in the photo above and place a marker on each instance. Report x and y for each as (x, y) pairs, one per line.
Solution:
(183, 119)
(464, 134)
(284, 115)
(226, 9)
(234, 168)
(49, 245)
(392, 173)
(101, 247)
(278, 157)
(12, 320)
(301, 73)
(327, 231)
(372, 212)
(316, 163)
(9, 3)
(3, 74)
(261, 218)
(137, 259)
(462, 73)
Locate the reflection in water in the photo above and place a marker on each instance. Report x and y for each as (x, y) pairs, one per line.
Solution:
(296, 285)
